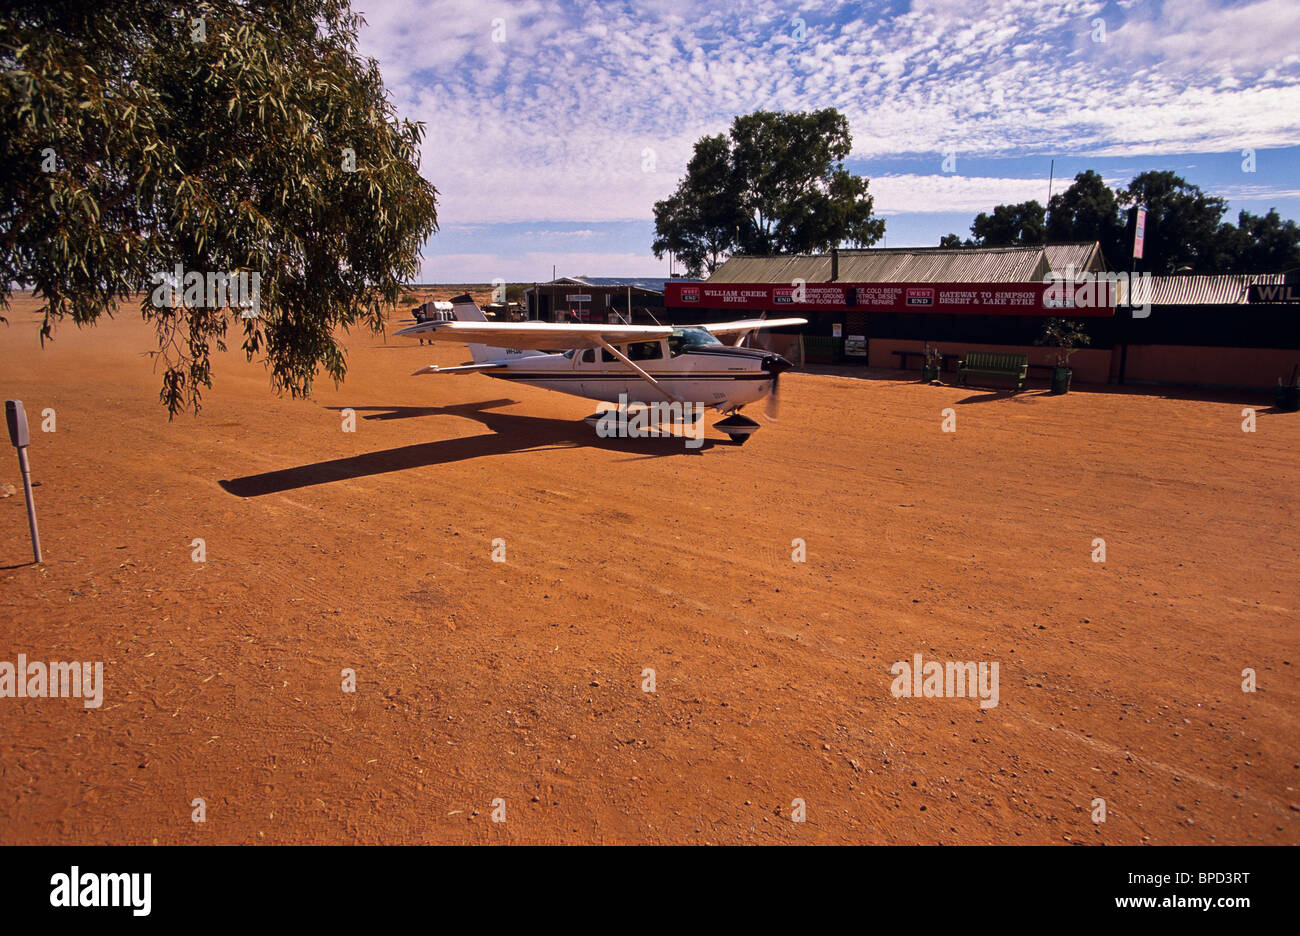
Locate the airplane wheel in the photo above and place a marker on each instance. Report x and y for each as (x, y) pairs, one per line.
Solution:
(738, 427)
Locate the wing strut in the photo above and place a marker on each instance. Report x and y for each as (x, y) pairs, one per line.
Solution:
(632, 364)
(743, 336)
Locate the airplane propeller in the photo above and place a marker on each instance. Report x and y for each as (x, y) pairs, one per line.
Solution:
(773, 405)
(776, 366)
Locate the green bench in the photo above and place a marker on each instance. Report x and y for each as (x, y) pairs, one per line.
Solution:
(1000, 364)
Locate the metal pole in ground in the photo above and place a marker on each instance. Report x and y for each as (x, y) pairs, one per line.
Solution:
(17, 421)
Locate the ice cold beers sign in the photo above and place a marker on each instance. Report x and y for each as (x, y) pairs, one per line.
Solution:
(937, 298)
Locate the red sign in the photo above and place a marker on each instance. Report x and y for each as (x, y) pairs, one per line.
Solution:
(907, 298)
(1139, 232)
(815, 295)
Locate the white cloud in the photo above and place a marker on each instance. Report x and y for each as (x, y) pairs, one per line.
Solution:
(484, 267)
(951, 192)
(557, 121)
(1198, 38)
(1256, 192)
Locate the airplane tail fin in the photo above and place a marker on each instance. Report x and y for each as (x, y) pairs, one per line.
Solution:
(465, 309)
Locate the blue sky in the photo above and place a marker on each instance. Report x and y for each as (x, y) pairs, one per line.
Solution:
(554, 127)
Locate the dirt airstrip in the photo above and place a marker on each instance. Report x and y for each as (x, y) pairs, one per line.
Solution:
(519, 687)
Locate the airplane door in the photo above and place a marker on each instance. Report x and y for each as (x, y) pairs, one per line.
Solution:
(584, 363)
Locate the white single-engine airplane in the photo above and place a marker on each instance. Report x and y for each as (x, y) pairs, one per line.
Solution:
(644, 364)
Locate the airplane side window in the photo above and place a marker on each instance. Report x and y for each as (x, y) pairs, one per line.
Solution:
(646, 351)
(589, 356)
(607, 357)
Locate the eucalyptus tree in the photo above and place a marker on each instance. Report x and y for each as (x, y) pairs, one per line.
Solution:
(143, 141)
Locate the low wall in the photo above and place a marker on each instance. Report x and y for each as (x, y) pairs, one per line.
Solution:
(1216, 367)
(1090, 365)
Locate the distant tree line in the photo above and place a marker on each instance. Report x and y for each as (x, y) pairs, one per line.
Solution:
(1185, 231)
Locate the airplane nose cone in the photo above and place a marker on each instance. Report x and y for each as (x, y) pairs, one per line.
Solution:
(775, 364)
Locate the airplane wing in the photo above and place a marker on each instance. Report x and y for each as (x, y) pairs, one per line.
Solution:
(458, 369)
(535, 336)
(748, 325)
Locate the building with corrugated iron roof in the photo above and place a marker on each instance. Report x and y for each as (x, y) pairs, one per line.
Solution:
(1211, 331)
(915, 265)
(596, 299)
(1190, 289)
(883, 307)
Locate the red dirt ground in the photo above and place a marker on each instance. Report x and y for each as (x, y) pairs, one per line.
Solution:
(523, 681)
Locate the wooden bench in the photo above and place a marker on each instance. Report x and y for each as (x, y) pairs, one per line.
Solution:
(999, 364)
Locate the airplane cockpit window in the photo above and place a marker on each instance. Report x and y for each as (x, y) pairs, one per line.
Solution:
(684, 339)
(589, 356)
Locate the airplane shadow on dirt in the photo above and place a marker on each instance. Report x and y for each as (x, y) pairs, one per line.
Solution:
(509, 434)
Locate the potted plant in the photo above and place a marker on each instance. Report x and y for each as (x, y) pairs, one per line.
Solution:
(933, 364)
(1066, 336)
(1286, 397)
